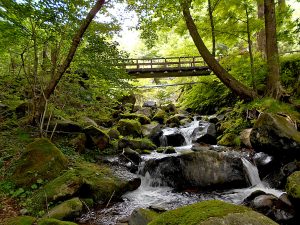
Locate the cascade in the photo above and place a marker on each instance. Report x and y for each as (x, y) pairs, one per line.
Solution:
(252, 173)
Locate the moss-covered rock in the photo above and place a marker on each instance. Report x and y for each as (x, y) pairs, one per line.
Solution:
(113, 133)
(130, 128)
(97, 137)
(275, 135)
(166, 150)
(79, 142)
(134, 116)
(160, 116)
(85, 180)
(21, 220)
(41, 160)
(52, 221)
(137, 143)
(66, 210)
(142, 216)
(293, 186)
(212, 213)
(65, 126)
(229, 139)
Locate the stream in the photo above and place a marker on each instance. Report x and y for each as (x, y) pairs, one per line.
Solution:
(153, 191)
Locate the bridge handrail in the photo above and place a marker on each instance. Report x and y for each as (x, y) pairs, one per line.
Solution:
(167, 62)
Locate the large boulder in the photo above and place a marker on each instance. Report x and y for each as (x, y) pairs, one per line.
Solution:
(146, 111)
(150, 104)
(293, 187)
(172, 137)
(84, 180)
(204, 169)
(134, 116)
(131, 155)
(40, 160)
(129, 128)
(67, 210)
(275, 135)
(205, 133)
(65, 126)
(96, 137)
(152, 131)
(212, 212)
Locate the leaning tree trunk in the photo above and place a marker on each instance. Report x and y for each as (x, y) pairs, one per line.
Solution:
(47, 92)
(234, 85)
(274, 88)
(212, 25)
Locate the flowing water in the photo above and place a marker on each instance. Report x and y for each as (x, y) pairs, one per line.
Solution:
(153, 192)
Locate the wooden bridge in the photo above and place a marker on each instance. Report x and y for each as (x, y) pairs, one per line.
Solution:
(166, 67)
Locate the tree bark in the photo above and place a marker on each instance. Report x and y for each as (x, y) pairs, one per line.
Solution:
(234, 85)
(274, 88)
(261, 35)
(212, 25)
(250, 49)
(47, 92)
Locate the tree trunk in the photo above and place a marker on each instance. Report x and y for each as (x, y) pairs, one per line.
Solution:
(250, 49)
(274, 88)
(47, 92)
(212, 25)
(234, 85)
(261, 35)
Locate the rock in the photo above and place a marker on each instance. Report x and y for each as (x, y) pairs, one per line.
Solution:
(204, 169)
(213, 119)
(293, 187)
(206, 133)
(21, 220)
(40, 160)
(176, 119)
(132, 155)
(152, 131)
(134, 116)
(114, 134)
(84, 180)
(150, 104)
(185, 121)
(130, 98)
(201, 147)
(66, 210)
(170, 108)
(172, 137)
(66, 126)
(245, 138)
(271, 206)
(229, 139)
(79, 142)
(142, 216)
(129, 128)
(96, 137)
(160, 116)
(146, 111)
(275, 135)
(212, 212)
(136, 144)
(28, 220)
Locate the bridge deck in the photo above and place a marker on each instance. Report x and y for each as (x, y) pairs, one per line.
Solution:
(166, 67)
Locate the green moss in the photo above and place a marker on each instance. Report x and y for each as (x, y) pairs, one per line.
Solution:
(148, 152)
(129, 128)
(21, 220)
(41, 160)
(86, 180)
(137, 143)
(228, 139)
(197, 213)
(51, 221)
(65, 210)
(139, 117)
(293, 185)
(148, 214)
(160, 116)
(97, 136)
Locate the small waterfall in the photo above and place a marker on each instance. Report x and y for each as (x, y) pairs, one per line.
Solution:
(252, 173)
(188, 131)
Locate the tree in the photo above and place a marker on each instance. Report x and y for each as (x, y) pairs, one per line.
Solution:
(274, 88)
(234, 85)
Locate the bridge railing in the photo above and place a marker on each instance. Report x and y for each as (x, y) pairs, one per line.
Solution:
(158, 63)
